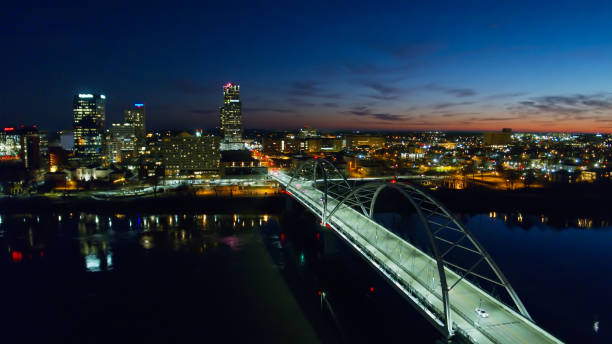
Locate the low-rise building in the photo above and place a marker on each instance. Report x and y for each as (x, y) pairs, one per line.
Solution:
(186, 156)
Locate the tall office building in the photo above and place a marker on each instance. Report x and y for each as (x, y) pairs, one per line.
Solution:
(136, 117)
(231, 118)
(88, 120)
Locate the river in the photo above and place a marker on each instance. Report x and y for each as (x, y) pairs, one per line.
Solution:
(156, 278)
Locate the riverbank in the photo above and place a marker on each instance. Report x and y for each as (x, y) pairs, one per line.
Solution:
(577, 199)
(163, 203)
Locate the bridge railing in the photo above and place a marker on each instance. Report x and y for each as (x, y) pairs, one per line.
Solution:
(338, 196)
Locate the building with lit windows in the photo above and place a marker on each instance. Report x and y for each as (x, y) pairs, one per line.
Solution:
(231, 118)
(10, 144)
(88, 127)
(136, 117)
(186, 156)
(498, 138)
(23, 145)
(307, 133)
(356, 140)
(121, 142)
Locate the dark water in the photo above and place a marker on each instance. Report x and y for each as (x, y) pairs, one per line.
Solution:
(94, 278)
(561, 269)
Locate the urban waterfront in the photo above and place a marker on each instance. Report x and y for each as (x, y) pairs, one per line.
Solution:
(77, 277)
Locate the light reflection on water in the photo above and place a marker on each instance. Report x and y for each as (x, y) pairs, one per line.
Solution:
(551, 222)
(558, 265)
(96, 234)
(547, 259)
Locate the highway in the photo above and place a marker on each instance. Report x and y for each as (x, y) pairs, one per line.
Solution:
(415, 274)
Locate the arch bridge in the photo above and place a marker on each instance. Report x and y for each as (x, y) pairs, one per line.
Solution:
(441, 269)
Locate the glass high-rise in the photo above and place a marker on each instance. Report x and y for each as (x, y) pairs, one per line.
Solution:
(89, 116)
(231, 118)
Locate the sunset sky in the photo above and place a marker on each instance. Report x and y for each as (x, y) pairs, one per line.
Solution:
(456, 65)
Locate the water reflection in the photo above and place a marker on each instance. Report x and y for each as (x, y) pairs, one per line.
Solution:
(528, 221)
(96, 235)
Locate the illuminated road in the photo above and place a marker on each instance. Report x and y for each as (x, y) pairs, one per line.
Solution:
(414, 274)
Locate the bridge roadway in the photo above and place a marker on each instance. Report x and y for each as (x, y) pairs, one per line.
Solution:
(414, 274)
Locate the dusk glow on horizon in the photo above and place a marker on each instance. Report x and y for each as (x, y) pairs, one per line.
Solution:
(467, 66)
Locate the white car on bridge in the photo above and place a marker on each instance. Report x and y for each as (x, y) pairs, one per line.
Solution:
(481, 313)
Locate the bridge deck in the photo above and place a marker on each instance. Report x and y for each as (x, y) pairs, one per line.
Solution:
(414, 273)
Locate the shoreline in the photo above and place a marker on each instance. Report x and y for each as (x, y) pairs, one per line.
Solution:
(160, 204)
(568, 200)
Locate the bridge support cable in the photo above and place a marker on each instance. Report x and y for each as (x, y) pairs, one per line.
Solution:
(325, 177)
(457, 256)
(442, 221)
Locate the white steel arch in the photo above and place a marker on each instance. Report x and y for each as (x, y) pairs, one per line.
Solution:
(436, 220)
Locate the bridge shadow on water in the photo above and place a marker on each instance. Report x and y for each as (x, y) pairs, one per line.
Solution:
(358, 305)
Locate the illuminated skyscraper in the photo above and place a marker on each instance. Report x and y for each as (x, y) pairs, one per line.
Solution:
(231, 118)
(88, 120)
(136, 117)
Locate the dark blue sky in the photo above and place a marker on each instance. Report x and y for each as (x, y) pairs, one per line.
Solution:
(532, 65)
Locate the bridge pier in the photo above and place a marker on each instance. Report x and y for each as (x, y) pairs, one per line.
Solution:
(329, 240)
(290, 204)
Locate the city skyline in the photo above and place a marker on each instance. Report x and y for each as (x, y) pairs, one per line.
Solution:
(434, 66)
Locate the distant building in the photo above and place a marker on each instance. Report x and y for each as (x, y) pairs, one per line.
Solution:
(331, 144)
(58, 158)
(67, 140)
(273, 145)
(356, 140)
(89, 116)
(10, 144)
(497, 138)
(21, 145)
(44, 148)
(240, 163)
(188, 156)
(290, 144)
(231, 118)
(136, 116)
(306, 133)
(30, 148)
(121, 142)
(310, 145)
